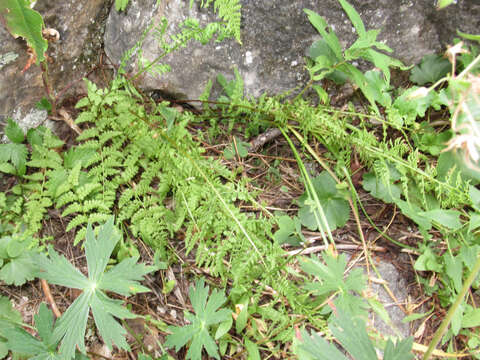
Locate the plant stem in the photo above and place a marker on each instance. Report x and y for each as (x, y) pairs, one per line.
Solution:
(48, 87)
(446, 321)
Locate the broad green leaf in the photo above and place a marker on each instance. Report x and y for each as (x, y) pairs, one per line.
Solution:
(414, 212)
(24, 343)
(35, 136)
(44, 104)
(315, 347)
(14, 132)
(330, 37)
(402, 350)
(289, 231)
(354, 17)
(224, 328)
(474, 196)
(454, 270)
(457, 319)
(17, 154)
(363, 43)
(433, 142)
(330, 279)
(383, 62)
(122, 279)
(471, 318)
(447, 218)
(23, 21)
(207, 313)
(335, 207)
(252, 348)
(8, 312)
(378, 87)
(427, 261)
(377, 188)
(19, 270)
(350, 331)
(431, 69)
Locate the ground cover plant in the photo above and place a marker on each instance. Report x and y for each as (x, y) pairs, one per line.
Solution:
(139, 180)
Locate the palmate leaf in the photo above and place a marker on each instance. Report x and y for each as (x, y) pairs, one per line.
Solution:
(431, 69)
(350, 331)
(206, 315)
(122, 279)
(330, 279)
(22, 342)
(18, 261)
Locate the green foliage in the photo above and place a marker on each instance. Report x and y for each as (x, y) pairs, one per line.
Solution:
(238, 147)
(335, 207)
(444, 3)
(351, 333)
(330, 280)
(329, 60)
(121, 5)
(23, 21)
(9, 319)
(17, 261)
(21, 342)
(431, 69)
(207, 314)
(289, 232)
(122, 279)
(13, 156)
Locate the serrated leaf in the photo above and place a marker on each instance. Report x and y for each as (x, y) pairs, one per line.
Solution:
(122, 278)
(14, 132)
(35, 136)
(316, 347)
(23, 21)
(351, 332)
(289, 231)
(19, 270)
(17, 154)
(330, 278)
(24, 343)
(8, 312)
(402, 350)
(207, 313)
(431, 69)
(471, 318)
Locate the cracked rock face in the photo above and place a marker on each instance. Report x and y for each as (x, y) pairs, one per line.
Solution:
(275, 37)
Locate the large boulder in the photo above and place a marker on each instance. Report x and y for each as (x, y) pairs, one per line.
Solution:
(275, 37)
(81, 39)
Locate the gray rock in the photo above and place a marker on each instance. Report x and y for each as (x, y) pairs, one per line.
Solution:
(81, 27)
(398, 286)
(275, 36)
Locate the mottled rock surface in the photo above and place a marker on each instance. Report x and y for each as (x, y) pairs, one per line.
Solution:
(275, 36)
(79, 24)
